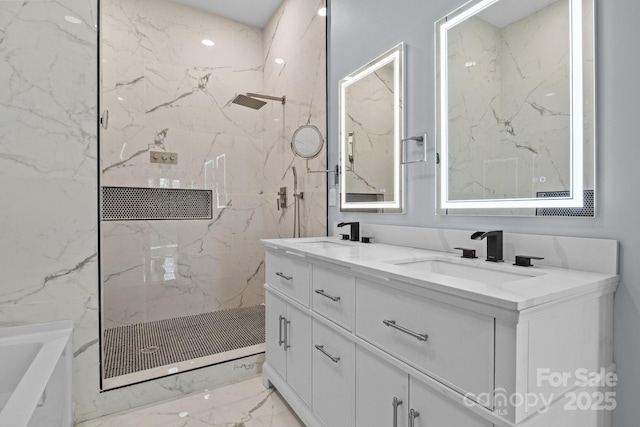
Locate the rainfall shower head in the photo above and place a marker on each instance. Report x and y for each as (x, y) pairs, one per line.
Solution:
(249, 100)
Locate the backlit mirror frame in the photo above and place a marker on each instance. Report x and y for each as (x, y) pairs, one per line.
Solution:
(577, 122)
(396, 57)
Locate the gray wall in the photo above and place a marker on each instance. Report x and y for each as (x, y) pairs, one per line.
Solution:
(362, 29)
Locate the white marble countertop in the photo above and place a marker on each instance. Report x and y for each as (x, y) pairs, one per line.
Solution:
(539, 284)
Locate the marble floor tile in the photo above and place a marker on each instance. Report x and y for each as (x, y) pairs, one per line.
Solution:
(246, 404)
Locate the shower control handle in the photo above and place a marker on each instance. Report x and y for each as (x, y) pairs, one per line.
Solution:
(282, 198)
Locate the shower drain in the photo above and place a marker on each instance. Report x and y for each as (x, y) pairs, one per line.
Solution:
(150, 349)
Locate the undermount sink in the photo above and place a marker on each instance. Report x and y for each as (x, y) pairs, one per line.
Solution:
(325, 244)
(461, 271)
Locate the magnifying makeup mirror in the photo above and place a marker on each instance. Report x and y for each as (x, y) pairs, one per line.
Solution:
(307, 142)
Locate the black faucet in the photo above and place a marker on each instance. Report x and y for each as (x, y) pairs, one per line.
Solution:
(355, 230)
(494, 244)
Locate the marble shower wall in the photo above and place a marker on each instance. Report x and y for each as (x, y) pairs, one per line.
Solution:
(49, 187)
(48, 177)
(519, 134)
(297, 34)
(370, 118)
(166, 91)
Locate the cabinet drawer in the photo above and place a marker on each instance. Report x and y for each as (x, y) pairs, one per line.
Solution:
(454, 345)
(289, 274)
(333, 377)
(333, 295)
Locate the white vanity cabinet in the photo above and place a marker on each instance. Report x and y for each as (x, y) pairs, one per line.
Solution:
(345, 340)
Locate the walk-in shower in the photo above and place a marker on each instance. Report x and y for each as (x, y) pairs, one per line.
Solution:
(188, 178)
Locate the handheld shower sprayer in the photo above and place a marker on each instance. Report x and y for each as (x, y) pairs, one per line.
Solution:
(295, 179)
(296, 203)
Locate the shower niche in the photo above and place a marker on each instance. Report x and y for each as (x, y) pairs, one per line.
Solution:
(186, 291)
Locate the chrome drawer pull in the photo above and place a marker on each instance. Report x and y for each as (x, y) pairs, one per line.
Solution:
(285, 277)
(396, 402)
(331, 297)
(323, 351)
(392, 323)
(412, 417)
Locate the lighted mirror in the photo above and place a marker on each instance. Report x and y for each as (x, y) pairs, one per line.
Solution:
(371, 131)
(515, 108)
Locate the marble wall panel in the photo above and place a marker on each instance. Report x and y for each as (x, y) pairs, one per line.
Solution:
(174, 95)
(181, 94)
(49, 173)
(48, 177)
(297, 34)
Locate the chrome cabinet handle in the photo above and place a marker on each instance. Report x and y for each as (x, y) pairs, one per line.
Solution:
(412, 417)
(285, 277)
(331, 297)
(396, 402)
(323, 351)
(280, 340)
(392, 324)
(286, 334)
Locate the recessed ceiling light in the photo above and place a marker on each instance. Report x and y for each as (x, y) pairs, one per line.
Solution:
(119, 98)
(470, 64)
(322, 11)
(72, 19)
(183, 414)
(279, 61)
(207, 42)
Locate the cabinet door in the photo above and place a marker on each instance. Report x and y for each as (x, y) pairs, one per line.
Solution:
(298, 341)
(333, 377)
(437, 410)
(276, 313)
(382, 397)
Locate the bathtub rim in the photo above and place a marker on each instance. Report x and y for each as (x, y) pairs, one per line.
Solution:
(56, 338)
